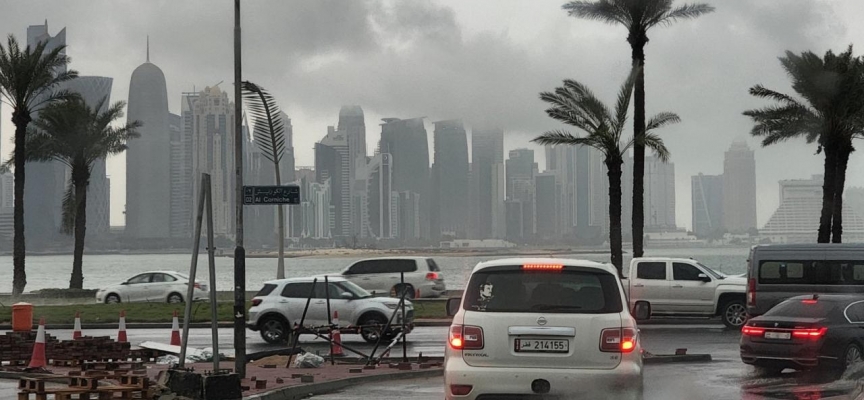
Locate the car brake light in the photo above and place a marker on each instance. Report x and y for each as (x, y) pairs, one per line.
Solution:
(809, 301)
(752, 331)
(751, 292)
(810, 333)
(466, 337)
(256, 302)
(461, 390)
(618, 340)
(432, 276)
(542, 267)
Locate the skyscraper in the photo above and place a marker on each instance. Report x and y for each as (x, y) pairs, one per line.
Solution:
(148, 164)
(95, 89)
(381, 208)
(521, 169)
(406, 141)
(450, 180)
(547, 197)
(659, 194)
(707, 196)
(487, 150)
(797, 218)
(213, 153)
(44, 196)
(739, 188)
(332, 165)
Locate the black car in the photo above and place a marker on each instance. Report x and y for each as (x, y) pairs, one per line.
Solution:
(806, 332)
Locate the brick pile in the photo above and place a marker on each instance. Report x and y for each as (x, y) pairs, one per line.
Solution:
(17, 347)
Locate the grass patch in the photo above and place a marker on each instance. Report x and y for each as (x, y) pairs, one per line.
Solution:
(135, 312)
(162, 312)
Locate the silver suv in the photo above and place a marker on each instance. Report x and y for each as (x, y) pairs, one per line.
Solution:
(280, 303)
(423, 278)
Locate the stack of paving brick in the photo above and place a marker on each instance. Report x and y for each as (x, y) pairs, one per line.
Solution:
(17, 347)
(88, 349)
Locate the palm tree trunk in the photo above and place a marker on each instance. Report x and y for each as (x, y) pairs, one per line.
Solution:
(615, 246)
(842, 162)
(280, 263)
(81, 183)
(828, 186)
(638, 228)
(19, 276)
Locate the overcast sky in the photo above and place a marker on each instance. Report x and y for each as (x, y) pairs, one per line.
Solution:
(479, 60)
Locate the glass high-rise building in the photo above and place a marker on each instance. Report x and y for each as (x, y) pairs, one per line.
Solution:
(487, 151)
(406, 141)
(450, 180)
(707, 197)
(739, 188)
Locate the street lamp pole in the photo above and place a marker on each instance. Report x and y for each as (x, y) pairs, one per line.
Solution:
(239, 251)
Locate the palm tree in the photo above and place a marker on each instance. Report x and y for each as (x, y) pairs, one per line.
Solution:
(270, 137)
(829, 114)
(638, 16)
(28, 81)
(574, 104)
(73, 133)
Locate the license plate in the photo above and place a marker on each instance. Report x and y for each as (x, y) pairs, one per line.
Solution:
(778, 335)
(542, 346)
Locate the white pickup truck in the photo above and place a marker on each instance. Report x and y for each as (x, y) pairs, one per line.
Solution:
(680, 287)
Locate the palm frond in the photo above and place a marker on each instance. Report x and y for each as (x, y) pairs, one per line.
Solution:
(686, 11)
(655, 143)
(660, 120)
(765, 93)
(625, 94)
(269, 128)
(69, 209)
(561, 137)
(608, 11)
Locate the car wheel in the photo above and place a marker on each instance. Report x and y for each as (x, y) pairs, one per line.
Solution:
(175, 298)
(112, 299)
(373, 327)
(734, 314)
(275, 331)
(399, 289)
(853, 355)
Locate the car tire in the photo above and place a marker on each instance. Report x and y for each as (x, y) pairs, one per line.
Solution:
(175, 298)
(112, 298)
(734, 313)
(373, 325)
(275, 331)
(852, 355)
(398, 289)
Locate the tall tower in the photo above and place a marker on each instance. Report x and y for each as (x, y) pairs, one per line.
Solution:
(707, 197)
(44, 196)
(332, 165)
(148, 163)
(406, 141)
(487, 151)
(450, 180)
(739, 188)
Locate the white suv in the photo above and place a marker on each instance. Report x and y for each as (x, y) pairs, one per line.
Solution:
(538, 327)
(280, 303)
(423, 278)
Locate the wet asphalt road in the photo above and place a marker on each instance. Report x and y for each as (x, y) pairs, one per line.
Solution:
(724, 378)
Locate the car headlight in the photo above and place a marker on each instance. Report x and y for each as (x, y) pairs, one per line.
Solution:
(392, 306)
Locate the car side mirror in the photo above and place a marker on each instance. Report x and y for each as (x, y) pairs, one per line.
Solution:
(347, 296)
(453, 305)
(703, 278)
(642, 311)
(125, 283)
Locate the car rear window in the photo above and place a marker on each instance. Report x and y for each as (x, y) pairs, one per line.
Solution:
(433, 266)
(266, 290)
(812, 272)
(571, 290)
(796, 308)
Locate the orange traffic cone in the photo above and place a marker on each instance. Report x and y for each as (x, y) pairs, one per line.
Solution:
(175, 330)
(76, 333)
(121, 335)
(336, 346)
(38, 360)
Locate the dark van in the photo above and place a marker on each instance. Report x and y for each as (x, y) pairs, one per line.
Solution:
(778, 272)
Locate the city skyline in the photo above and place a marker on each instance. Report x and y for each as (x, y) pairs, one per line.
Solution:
(307, 100)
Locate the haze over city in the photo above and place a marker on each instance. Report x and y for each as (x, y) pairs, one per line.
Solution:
(468, 60)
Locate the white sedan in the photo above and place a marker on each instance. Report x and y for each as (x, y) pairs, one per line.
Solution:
(153, 286)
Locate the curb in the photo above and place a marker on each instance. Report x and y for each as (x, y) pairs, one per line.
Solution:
(129, 325)
(304, 391)
(670, 359)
